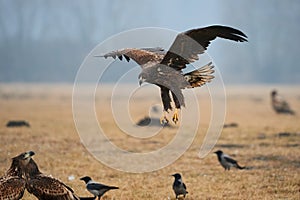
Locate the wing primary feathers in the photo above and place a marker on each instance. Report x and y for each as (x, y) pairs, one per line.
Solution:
(127, 58)
(140, 56)
(188, 45)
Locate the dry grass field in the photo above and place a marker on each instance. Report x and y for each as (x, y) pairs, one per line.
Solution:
(273, 158)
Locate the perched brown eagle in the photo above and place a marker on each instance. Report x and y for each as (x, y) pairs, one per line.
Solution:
(46, 187)
(164, 68)
(12, 184)
(279, 104)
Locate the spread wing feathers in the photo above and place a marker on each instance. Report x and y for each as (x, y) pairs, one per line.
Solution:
(140, 56)
(46, 187)
(12, 188)
(200, 76)
(189, 44)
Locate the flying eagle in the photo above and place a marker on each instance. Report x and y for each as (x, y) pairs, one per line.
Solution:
(97, 189)
(46, 187)
(280, 105)
(164, 68)
(12, 185)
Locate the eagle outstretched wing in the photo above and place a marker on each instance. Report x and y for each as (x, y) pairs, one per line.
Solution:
(140, 56)
(189, 44)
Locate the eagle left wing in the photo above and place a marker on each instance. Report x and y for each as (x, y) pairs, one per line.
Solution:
(11, 188)
(189, 44)
(140, 56)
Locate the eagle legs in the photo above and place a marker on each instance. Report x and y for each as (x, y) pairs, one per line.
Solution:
(166, 99)
(175, 117)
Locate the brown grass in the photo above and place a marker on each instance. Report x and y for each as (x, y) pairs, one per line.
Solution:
(274, 160)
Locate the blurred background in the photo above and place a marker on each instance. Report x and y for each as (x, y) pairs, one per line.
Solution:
(46, 41)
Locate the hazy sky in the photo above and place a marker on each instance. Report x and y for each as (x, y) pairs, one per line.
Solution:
(48, 40)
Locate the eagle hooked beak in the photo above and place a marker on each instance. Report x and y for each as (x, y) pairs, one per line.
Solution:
(29, 154)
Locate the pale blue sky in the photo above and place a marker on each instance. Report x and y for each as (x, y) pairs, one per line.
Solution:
(48, 40)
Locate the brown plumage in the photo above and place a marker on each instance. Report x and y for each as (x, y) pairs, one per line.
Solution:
(12, 184)
(164, 68)
(45, 187)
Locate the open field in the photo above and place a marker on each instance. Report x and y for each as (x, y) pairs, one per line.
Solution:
(273, 158)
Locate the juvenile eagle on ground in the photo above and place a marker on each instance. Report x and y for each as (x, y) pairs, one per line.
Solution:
(45, 187)
(12, 184)
(164, 68)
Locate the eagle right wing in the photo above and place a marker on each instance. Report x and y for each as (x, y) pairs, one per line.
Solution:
(140, 56)
(188, 45)
(43, 186)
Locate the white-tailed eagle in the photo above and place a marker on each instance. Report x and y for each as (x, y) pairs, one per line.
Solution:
(164, 68)
(46, 187)
(12, 184)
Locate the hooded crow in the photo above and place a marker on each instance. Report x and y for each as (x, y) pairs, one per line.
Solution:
(179, 186)
(226, 161)
(97, 189)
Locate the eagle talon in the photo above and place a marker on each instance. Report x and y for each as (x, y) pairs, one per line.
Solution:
(164, 120)
(175, 117)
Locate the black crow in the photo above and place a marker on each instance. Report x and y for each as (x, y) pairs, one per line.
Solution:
(97, 189)
(226, 161)
(179, 186)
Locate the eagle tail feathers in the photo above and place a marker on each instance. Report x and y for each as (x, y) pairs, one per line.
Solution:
(200, 76)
